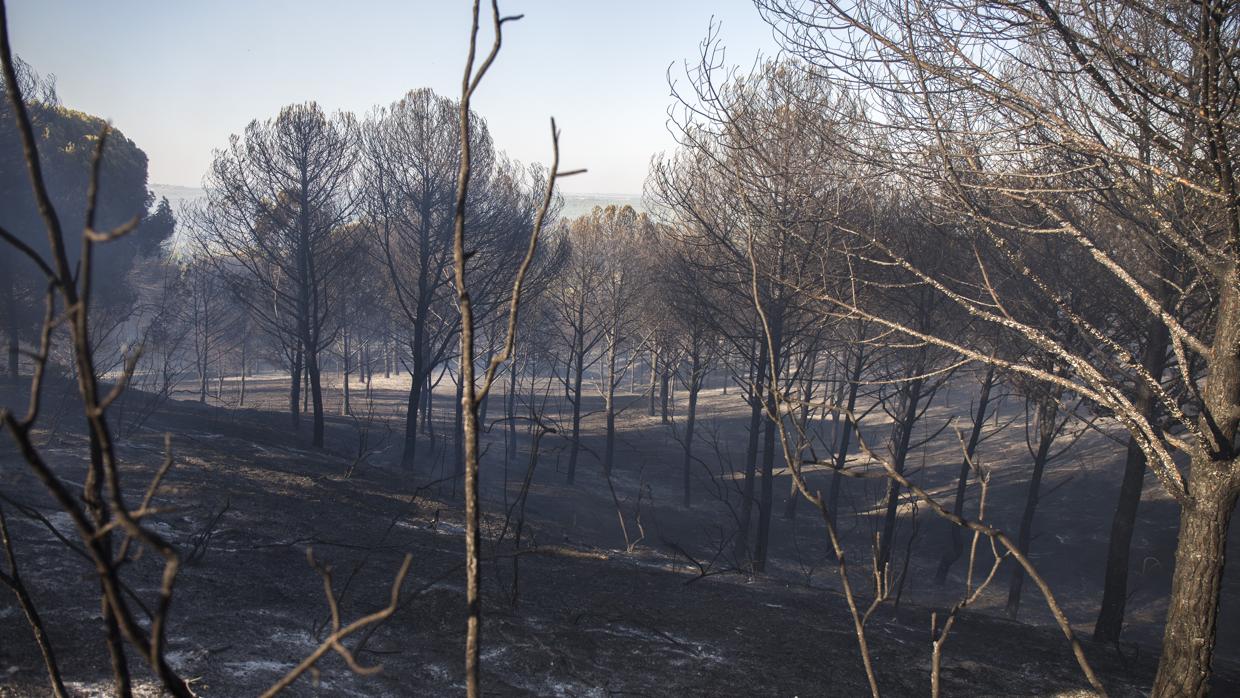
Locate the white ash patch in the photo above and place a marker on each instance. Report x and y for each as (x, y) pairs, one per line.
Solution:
(252, 667)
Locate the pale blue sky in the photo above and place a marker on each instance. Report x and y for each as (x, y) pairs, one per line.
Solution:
(179, 77)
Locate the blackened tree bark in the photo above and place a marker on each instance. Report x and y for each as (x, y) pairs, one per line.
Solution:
(909, 399)
(510, 411)
(610, 378)
(694, 387)
(841, 450)
(277, 223)
(346, 368)
(1115, 584)
(294, 393)
(1192, 615)
(769, 439)
(1048, 426)
(665, 381)
(653, 359)
(956, 538)
(699, 342)
(577, 367)
(458, 430)
(571, 309)
(755, 385)
(245, 367)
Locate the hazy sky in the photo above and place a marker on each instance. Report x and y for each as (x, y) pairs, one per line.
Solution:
(179, 77)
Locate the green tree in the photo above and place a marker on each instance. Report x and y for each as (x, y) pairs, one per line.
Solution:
(66, 140)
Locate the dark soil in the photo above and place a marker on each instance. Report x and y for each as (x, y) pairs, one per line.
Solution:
(573, 611)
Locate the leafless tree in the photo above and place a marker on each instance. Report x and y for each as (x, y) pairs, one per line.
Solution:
(979, 411)
(211, 317)
(1091, 123)
(570, 309)
(277, 223)
(108, 528)
(693, 331)
(412, 153)
(748, 148)
(615, 237)
(473, 392)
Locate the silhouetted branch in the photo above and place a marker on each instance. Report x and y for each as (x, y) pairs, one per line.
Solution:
(339, 633)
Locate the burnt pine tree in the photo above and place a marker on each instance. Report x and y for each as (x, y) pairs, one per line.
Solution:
(277, 217)
(1036, 114)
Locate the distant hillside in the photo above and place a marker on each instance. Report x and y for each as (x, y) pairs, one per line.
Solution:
(175, 193)
(580, 204)
(574, 204)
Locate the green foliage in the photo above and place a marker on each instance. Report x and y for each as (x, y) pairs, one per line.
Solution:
(67, 139)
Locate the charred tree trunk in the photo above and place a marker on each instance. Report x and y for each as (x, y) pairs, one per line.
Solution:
(758, 370)
(956, 542)
(204, 355)
(294, 393)
(458, 431)
(1115, 585)
(420, 355)
(665, 377)
(803, 434)
(578, 370)
(609, 408)
(417, 379)
(769, 438)
(412, 405)
(428, 412)
(305, 388)
(219, 377)
(654, 373)
(486, 399)
(845, 434)
(695, 386)
(1196, 584)
(316, 394)
(768, 495)
(345, 408)
(245, 369)
(510, 408)
(910, 400)
(1048, 411)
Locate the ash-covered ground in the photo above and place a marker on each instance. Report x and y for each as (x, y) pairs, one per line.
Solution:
(585, 606)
